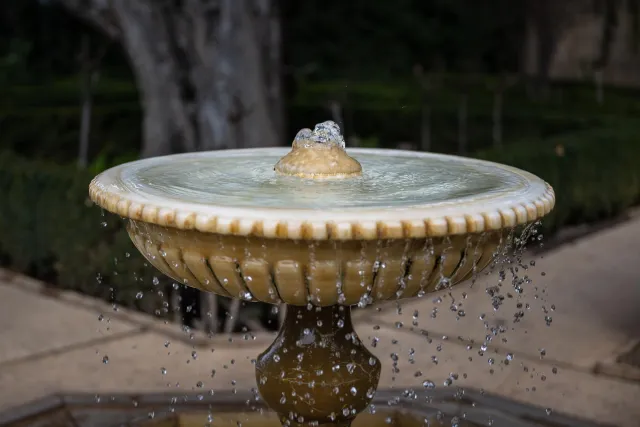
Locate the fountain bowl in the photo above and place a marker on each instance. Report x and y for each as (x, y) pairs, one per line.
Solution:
(297, 252)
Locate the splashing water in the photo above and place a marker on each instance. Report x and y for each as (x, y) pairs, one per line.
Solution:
(323, 133)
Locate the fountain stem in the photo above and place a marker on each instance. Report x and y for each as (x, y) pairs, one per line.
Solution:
(317, 371)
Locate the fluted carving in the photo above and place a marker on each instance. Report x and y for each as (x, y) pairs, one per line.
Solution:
(324, 273)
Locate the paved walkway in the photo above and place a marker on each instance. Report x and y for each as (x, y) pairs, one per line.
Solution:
(56, 342)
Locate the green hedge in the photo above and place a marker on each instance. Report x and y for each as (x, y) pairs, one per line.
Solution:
(49, 229)
(595, 173)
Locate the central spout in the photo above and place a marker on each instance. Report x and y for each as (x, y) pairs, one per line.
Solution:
(319, 154)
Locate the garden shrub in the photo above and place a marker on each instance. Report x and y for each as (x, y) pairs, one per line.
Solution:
(595, 173)
(50, 229)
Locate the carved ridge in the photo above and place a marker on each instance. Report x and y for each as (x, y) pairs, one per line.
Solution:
(463, 261)
(476, 221)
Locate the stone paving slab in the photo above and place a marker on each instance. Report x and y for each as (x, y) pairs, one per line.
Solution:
(33, 324)
(135, 365)
(572, 392)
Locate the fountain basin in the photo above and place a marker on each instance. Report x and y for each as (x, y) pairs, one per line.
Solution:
(438, 407)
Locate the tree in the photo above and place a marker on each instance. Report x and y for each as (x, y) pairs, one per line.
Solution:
(90, 72)
(208, 71)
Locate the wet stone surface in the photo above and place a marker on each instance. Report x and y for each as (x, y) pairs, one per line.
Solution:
(389, 408)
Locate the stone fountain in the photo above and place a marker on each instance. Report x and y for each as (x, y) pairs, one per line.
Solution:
(320, 230)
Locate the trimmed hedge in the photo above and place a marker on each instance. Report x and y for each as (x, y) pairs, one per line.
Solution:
(49, 229)
(595, 173)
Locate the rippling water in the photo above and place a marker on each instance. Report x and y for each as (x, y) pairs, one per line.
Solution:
(248, 180)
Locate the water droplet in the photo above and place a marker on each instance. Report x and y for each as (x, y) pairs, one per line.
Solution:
(323, 132)
(139, 295)
(428, 384)
(105, 359)
(163, 371)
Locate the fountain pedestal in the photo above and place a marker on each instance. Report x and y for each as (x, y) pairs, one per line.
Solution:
(317, 371)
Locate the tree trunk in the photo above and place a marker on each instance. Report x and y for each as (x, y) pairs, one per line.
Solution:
(539, 43)
(208, 71)
(497, 118)
(425, 126)
(462, 124)
(609, 12)
(87, 78)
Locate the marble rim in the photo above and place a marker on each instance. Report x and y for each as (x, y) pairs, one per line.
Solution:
(498, 211)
